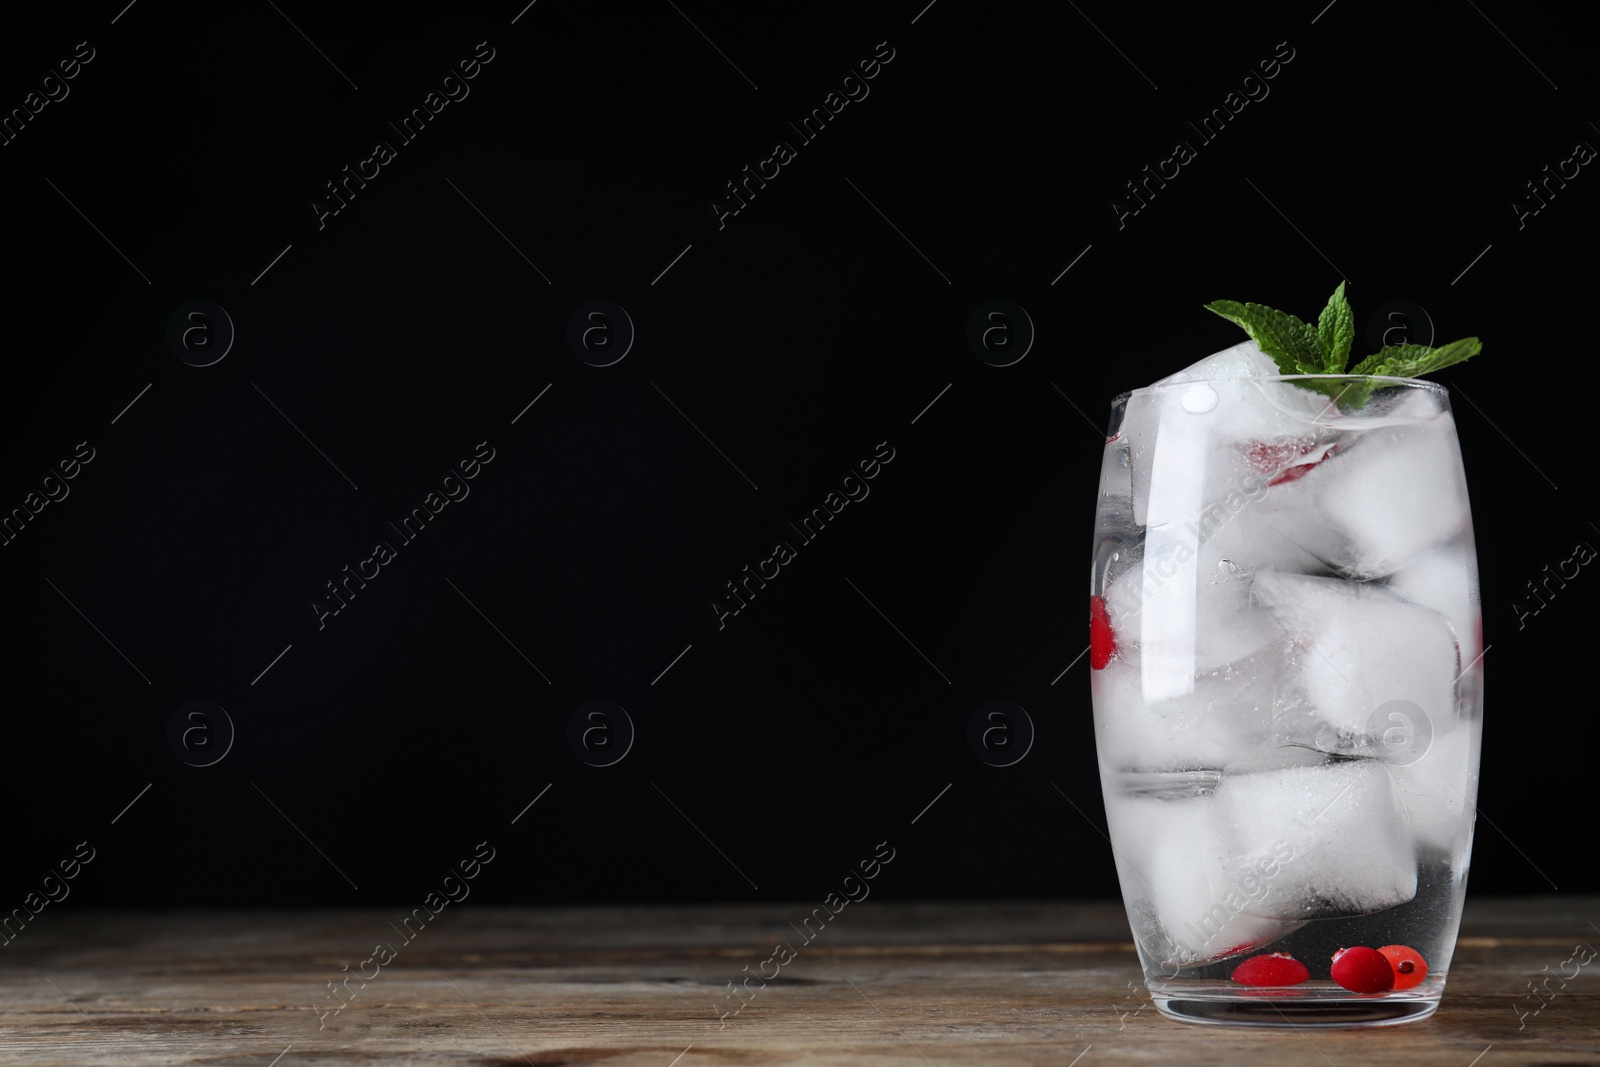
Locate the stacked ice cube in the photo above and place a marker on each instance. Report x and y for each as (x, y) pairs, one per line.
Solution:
(1293, 611)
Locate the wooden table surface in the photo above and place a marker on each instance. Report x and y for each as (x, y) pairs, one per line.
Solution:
(1047, 983)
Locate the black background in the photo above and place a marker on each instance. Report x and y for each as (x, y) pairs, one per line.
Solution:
(797, 338)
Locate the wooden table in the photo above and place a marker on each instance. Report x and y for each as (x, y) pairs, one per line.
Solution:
(943, 984)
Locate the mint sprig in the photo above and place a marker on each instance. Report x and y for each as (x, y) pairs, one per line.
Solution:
(1412, 361)
(1336, 329)
(1297, 348)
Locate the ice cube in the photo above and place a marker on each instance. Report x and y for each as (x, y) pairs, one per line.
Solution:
(1181, 604)
(1187, 892)
(1391, 493)
(1402, 403)
(1243, 360)
(1230, 410)
(1446, 580)
(1435, 789)
(1329, 839)
(1226, 626)
(1359, 648)
(1225, 717)
(1195, 461)
(1249, 407)
(1270, 527)
(1124, 599)
(1135, 733)
(1116, 482)
(1237, 703)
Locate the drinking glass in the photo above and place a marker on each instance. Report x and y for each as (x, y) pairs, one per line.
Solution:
(1286, 651)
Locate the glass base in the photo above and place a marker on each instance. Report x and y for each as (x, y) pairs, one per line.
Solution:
(1299, 1012)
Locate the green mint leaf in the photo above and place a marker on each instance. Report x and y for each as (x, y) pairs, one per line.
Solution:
(1299, 349)
(1380, 361)
(1408, 361)
(1413, 361)
(1336, 329)
(1291, 343)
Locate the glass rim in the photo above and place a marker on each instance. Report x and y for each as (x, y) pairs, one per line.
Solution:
(1164, 387)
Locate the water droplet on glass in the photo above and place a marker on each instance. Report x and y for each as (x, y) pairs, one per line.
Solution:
(1199, 399)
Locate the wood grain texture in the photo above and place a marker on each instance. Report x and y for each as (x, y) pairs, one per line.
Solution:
(886, 983)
